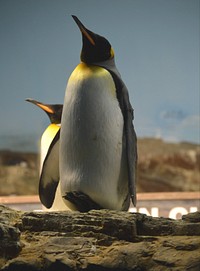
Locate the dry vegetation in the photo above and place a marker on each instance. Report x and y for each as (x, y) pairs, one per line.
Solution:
(161, 167)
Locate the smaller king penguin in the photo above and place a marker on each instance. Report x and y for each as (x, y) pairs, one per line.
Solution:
(98, 145)
(54, 112)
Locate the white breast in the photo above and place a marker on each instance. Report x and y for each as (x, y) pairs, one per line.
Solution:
(46, 139)
(91, 147)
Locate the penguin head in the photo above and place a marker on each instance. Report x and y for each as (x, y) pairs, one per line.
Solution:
(54, 111)
(95, 47)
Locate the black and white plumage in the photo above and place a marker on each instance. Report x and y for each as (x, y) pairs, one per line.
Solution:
(54, 112)
(98, 145)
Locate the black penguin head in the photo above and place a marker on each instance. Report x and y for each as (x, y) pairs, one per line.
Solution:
(54, 111)
(95, 47)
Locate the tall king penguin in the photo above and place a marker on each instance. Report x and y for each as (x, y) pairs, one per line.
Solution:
(98, 149)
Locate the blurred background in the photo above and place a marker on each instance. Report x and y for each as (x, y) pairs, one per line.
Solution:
(156, 47)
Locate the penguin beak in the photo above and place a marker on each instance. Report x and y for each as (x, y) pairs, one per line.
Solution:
(46, 108)
(83, 30)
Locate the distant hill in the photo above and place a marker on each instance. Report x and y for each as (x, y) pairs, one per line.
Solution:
(168, 167)
(22, 143)
(162, 166)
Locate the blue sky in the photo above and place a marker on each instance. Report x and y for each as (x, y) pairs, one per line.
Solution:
(156, 45)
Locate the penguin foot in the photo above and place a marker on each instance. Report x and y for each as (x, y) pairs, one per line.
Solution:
(81, 201)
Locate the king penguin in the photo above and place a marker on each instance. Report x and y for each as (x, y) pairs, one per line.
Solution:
(54, 112)
(98, 145)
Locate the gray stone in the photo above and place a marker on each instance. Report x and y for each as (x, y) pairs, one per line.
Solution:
(98, 240)
(9, 235)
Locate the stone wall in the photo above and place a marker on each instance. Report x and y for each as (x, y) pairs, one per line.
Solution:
(97, 240)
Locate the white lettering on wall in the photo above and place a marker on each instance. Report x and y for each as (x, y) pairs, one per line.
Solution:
(177, 212)
(154, 211)
(174, 213)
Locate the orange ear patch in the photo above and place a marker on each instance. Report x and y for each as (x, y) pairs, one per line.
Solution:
(112, 53)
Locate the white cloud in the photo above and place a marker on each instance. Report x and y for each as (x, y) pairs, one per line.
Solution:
(186, 129)
(190, 121)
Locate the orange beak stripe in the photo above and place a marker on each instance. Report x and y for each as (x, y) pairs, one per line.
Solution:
(45, 108)
(85, 33)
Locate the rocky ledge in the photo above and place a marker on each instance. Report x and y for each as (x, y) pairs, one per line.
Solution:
(97, 240)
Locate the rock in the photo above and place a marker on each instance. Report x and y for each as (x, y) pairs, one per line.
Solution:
(192, 217)
(106, 222)
(10, 245)
(98, 240)
(9, 241)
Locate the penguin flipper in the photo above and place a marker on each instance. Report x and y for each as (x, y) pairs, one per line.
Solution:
(131, 143)
(49, 177)
(129, 132)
